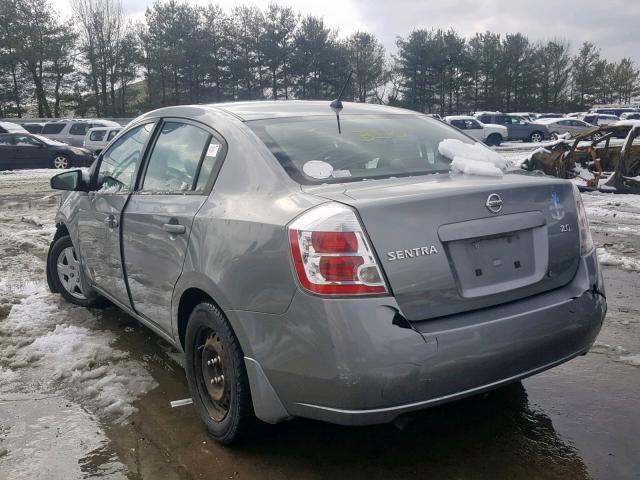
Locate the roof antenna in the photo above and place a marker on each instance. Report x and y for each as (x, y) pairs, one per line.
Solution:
(336, 105)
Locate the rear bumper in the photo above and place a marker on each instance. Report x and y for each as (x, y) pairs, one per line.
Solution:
(346, 361)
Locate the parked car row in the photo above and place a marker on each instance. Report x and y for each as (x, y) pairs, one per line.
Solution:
(26, 150)
(493, 128)
(54, 144)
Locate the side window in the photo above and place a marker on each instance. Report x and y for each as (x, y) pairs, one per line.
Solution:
(485, 119)
(208, 162)
(52, 128)
(459, 124)
(79, 128)
(121, 161)
(472, 125)
(112, 134)
(6, 140)
(502, 120)
(180, 152)
(25, 140)
(97, 135)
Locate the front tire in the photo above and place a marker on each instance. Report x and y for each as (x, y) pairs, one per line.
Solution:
(494, 140)
(61, 162)
(536, 137)
(554, 136)
(217, 376)
(64, 268)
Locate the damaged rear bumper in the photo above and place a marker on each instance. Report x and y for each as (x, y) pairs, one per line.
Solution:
(350, 361)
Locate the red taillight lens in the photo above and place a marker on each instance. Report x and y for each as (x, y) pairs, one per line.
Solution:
(340, 269)
(331, 254)
(334, 242)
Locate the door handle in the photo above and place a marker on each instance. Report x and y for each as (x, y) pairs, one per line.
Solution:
(174, 228)
(111, 221)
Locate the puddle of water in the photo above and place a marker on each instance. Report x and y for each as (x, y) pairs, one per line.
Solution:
(49, 437)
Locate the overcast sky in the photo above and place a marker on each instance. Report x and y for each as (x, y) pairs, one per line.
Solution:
(613, 25)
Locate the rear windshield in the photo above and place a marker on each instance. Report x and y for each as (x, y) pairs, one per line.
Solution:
(312, 151)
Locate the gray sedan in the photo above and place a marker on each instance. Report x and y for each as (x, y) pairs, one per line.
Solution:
(323, 267)
(560, 126)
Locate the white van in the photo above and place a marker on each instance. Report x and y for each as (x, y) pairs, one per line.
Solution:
(98, 137)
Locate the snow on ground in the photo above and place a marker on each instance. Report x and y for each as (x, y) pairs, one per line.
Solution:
(61, 348)
(50, 349)
(612, 259)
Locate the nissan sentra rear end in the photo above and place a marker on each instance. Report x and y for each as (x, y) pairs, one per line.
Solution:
(417, 286)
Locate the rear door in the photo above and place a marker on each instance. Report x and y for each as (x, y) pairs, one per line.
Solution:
(158, 218)
(76, 134)
(474, 129)
(99, 219)
(518, 127)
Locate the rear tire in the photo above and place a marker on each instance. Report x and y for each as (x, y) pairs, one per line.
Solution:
(494, 140)
(64, 271)
(217, 376)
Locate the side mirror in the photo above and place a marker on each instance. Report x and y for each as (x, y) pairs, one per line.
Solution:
(68, 181)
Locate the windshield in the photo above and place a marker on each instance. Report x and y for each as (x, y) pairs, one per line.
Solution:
(312, 151)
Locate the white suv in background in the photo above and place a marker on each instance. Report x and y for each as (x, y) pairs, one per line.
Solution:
(489, 133)
(99, 137)
(73, 132)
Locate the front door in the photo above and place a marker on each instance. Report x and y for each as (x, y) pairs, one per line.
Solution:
(157, 220)
(99, 219)
(8, 151)
(30, 152)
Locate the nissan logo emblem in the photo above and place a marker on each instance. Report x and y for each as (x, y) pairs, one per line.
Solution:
(494, 203)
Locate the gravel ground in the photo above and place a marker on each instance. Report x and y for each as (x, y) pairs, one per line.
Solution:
(85, 393)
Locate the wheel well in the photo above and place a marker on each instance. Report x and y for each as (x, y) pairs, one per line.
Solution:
(188, 301)
(61, 231)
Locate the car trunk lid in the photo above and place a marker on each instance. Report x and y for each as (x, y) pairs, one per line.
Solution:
(444, 251)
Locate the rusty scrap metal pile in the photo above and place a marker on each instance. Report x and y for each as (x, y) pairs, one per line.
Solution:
(592, 160)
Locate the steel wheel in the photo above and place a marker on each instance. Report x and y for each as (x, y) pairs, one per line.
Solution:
(68, 270)
(211, 373)
(536, 137)
(60, 162)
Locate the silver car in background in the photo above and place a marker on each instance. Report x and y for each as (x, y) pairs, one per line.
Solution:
(99, 137)
(72, 132)
(560, 126)
(326, 267)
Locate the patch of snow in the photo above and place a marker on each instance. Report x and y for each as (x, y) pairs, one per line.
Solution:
(626, 263)
(472, 159)
(633, 360)
(59, 345)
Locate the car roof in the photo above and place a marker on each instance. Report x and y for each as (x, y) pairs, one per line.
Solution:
(460, 117)
(546, 121)
(264, 109)
(13, 127)
(108, 127)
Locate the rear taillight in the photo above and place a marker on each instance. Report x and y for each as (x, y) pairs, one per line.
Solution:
(586, 241)
(331, 254)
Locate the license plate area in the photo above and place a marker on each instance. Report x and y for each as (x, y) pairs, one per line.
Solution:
(496, 263)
